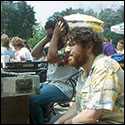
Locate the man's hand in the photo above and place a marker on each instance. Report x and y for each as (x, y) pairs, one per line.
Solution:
(59, 121)
(59, 30)
(68, 116)
(69, 121)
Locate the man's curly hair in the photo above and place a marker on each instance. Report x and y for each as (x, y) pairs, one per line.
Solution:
(84, 35)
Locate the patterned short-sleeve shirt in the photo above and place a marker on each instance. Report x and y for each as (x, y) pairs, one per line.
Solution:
(102, 88)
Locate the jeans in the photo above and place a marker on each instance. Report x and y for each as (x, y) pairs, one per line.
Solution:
(48, 93)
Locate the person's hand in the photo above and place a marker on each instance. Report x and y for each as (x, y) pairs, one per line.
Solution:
(59, 30)
(59, 121)
(68, 121)
(13, 60)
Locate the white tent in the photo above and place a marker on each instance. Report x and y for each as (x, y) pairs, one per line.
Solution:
(119, 28)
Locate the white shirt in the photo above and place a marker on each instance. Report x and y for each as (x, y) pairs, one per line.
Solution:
(5, 51)
(24, 53)
(58, 75)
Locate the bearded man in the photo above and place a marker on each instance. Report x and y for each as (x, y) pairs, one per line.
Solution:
(100, 90)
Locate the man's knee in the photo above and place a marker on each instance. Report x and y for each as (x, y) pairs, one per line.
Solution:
(33, 99)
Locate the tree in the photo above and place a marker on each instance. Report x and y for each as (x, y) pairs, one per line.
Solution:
(21, 21)
(26, 20)
(8, 20)
(17, 21)
(110, 18)
(91, 12)
(120, 12)
(38, 34)
(108, 15)
(68, 11)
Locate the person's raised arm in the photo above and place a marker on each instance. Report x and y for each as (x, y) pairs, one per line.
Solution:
(38, 49)
(59, 31)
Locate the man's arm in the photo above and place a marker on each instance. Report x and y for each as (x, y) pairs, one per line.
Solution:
(86, 116)
(72, 112)
(53, 56)
(38, 49)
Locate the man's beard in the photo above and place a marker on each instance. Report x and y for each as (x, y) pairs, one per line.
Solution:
(77, 62)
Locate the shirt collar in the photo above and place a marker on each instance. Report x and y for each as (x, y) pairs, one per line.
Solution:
(94, 62)
(96, 59)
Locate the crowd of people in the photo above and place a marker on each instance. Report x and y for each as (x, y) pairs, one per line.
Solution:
(99, 94)
(16, 48)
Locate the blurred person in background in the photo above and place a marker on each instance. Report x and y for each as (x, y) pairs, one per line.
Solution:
(108, 48)
(22, 53)
(27, 45)
(119, 56)
(6, 49)
(120, 47)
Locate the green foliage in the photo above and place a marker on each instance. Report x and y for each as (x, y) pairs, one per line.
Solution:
(8, 20)
(68, 11)
(38, 34)
(17, 21)
(91, 12)
(21, 22)
(111, 18)
(26, 20)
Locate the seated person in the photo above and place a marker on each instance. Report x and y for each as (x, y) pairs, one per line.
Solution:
(56, 88)
(22, 53)
(100, 91)
(119, 56)
(6, 49)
